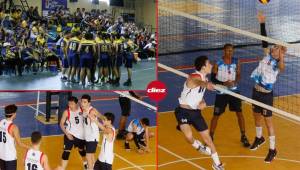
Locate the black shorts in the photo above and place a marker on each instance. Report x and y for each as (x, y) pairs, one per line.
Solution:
(222, 100)
(8, 165)
(125, 105)
(266, 98)
(141, 139)
(102, 166)
(191, 117)
(77, 143)
(91, 147)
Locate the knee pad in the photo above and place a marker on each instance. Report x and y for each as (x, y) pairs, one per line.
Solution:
(65, 155)
(82, 153)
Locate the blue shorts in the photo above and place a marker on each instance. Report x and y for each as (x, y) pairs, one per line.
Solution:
(104, 60)
(86, 62)
(128, 63)
(119, 60)
(65, 62)
(73, 60)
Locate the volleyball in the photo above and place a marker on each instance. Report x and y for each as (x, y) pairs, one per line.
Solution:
(264, 1)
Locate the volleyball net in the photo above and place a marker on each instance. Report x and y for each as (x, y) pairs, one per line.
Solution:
(190, 28)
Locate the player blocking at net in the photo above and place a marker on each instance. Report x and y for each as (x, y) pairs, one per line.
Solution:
(265, 75)
(191, 102)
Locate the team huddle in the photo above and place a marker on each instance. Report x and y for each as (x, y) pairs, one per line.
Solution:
(226, 73)
(81, 125)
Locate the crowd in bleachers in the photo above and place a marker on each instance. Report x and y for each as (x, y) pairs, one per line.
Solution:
(83, 47)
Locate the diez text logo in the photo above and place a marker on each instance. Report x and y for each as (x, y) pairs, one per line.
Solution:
(156, 90)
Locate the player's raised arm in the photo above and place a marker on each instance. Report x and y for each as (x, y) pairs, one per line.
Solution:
(262, 21)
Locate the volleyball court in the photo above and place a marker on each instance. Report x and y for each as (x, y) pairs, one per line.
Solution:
(31, 117)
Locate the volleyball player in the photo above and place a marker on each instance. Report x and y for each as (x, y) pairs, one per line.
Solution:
(63, 54)
(86, 50)
(73, 132)
(191, 103)
(106, 156)
(73, 58)
(119, 55)
(104, 48)
(125, 104)
(265, 75)
(91, 130)
(226, 72)
(34, 158)
(128, 55)
(9, 136)
(138, 131)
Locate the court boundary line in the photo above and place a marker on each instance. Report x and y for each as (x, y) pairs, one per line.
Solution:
(228, 156)
(180, 157)
(131, 167)
(127, 161)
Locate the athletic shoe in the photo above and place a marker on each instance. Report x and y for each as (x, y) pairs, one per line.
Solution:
(245, 141)
(271, 155)
(89, 84)
(64, 78)
(127, 83)
(218, 167)
(257, 143)
(204, 149)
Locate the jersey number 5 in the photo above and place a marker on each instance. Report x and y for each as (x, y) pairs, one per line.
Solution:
(3, 137)
(31, 166)
(77, 120)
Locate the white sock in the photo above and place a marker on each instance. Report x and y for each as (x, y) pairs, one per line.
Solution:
(272, 142)
(196, 144)
(258, 132)
(215, 158)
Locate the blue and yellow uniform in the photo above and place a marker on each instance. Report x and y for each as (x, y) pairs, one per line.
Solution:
(119, 44)
(61, 45)
(73, 57)
(86, 53)
(128, 54)
(104, 47)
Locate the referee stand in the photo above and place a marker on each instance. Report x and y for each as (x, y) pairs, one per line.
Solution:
(62, 103)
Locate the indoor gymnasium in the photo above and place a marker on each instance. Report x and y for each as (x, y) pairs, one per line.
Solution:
(77, 44)
(42, 110)
(249, 51)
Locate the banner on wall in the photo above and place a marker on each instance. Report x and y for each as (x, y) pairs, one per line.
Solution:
(52, 4)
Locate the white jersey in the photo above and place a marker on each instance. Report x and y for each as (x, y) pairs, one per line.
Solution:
(91, 130)
(7, 142)
(227, 72)
(107, 149)
(137, 123)
(33, 160)
(266, 73)
(75, 123)
(192, 96)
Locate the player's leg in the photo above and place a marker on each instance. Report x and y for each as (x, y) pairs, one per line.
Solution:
(129, 137)
(68, 145)
(125, 105)
(219, 108)
(80, 144)
(257, 113)
(90, 152)
(235, 105)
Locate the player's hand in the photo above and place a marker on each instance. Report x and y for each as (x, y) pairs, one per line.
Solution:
(210, 86)
(69, 136)
(202, 105)
(261, 17)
